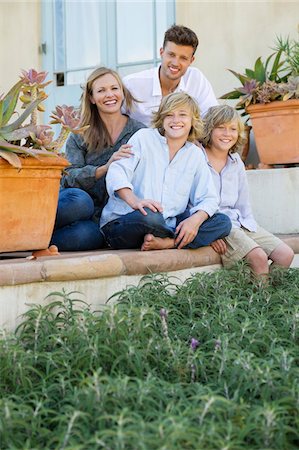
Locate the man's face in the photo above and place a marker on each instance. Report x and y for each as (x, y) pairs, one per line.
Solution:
(175, 60)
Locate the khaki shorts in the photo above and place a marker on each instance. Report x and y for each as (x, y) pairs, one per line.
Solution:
(241, 241)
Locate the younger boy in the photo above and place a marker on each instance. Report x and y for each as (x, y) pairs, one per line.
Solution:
(150, 191)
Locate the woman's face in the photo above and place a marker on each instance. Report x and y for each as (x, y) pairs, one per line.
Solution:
(177, 124)
(107, 94)
(225, 136)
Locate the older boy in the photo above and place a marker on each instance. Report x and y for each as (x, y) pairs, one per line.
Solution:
(173, 75)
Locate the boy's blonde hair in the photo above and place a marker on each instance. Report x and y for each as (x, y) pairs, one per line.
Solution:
(218, 115)
(176, 101)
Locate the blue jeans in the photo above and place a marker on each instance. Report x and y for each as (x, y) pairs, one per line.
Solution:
(128, 231)
(74, 229)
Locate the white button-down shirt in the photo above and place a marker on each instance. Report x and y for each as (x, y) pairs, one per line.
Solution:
(186, 180)
(145, 86)
(232, 188)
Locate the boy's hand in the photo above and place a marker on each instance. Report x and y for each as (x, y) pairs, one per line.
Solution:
(128, 196)
(147, 203)
(219, 246)
(186, 231)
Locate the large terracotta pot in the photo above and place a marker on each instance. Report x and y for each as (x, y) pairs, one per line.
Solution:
(276, 131)
(28, 202)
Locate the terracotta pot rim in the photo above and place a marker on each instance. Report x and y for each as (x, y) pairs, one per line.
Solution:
(42, 161)
(278, 104)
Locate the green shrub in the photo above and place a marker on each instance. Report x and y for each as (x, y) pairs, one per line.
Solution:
(210, 364)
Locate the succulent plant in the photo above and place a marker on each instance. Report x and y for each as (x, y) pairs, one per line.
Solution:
(275, 79)
(69, 119)
(33, 87)
(30, 139)
(290, 89)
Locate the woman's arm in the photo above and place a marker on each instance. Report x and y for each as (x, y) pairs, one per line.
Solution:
(79, 174)
(123, 152)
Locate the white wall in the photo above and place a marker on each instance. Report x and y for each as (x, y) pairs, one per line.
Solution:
(274, 199)
(233, 34)
(20, 39)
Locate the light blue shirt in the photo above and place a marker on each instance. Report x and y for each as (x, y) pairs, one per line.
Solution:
(232, 188)
(186, 180)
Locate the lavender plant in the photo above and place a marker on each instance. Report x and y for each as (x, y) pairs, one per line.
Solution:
(218, 370)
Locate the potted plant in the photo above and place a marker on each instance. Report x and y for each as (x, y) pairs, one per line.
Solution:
(30, 164)
(269, 93)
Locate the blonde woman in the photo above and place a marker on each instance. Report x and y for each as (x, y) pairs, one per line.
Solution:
(150, 191)
(90, 156)
(223, 137)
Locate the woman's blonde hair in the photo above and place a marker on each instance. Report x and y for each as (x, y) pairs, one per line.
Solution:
(96, 137)
(218, 115)
(175, 101)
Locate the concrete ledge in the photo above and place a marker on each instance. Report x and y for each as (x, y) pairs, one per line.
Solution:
(291, 240)
(108, 263)
(102, 264)
(59, 268)
(137, 262)
(97, 275)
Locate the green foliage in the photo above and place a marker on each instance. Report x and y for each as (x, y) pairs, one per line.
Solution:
(275, 79)
(127, 377)
(29, 139)
(290, 48)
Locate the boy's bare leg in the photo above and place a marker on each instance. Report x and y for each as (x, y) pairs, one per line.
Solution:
(152, 242)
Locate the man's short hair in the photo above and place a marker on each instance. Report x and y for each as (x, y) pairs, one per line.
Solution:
(181, 35)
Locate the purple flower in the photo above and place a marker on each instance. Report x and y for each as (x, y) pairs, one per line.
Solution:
(217, 344)
(194, 343)
(163, 313)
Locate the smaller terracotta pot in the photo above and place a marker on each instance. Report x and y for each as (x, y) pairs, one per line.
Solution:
(276, 131)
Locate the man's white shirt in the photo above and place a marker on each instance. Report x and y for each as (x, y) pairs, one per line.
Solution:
(145, 86)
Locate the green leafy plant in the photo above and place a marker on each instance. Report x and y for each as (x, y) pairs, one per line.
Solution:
(275, 79)
(210, 364)
(19, 138)
(290, 48)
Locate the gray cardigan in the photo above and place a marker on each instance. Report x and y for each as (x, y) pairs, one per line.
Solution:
(81, 173)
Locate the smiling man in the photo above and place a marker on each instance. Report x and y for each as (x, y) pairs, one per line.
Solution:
(173, 75)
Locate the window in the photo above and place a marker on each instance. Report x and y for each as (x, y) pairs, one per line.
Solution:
(122, 34)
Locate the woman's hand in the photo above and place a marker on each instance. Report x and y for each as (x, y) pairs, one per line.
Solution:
(219, 246)
(123, 152)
